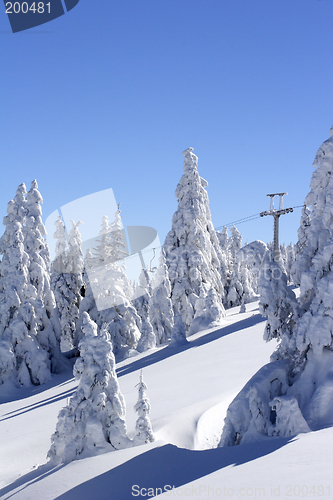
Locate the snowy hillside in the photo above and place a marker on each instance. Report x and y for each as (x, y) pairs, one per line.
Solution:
(190, 388)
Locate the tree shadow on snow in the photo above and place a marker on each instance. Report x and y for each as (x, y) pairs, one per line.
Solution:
(167, 466)
(171, 350)
(38, 404)
(9, 392)
(28, 480)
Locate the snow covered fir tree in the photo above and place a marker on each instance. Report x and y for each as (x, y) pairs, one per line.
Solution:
(161, 313)
(29, 323)
(143, 428)
(293, 393)
(67, 280)
(193, 255)
(93, 422)
(142, 305)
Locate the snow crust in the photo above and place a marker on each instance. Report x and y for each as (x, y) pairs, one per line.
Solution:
(190, 389)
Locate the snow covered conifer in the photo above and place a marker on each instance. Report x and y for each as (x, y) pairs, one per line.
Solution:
(141, 304)
(93, 422)
(21, 355)
(178, 334)
(297, 384)
(313, 268)
(67, 280)
(277, 300)
(48, 325)
(161, 313)
(209, 312)
(143, 427)
(59, 263)
(143, 293)
(193, 254)
(235, 243)
(241, 282)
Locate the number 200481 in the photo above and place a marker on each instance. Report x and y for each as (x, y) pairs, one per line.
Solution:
(16, 7)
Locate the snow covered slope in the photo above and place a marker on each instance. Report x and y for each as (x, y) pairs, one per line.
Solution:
(190, 388)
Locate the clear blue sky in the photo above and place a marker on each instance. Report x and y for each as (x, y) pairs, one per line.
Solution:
(110, 94)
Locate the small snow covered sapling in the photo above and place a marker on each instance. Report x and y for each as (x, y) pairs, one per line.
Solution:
(143, 427)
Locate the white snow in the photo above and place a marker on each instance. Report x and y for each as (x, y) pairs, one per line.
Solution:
(190, 389)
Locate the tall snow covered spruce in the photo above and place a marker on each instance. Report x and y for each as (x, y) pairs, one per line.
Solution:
(48, 324)
(144, 431)
(67, 281)
(29, 326)
(193, 254)
(294, 393)
(93, 422)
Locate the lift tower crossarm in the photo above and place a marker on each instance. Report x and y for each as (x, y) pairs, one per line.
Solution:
(276, 214)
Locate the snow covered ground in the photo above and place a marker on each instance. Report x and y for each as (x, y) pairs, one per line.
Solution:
(190, 388)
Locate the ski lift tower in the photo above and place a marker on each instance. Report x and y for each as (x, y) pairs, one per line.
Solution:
(276, 214)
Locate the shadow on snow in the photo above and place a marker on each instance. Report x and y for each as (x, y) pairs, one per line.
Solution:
(171, 350)
(168, 466)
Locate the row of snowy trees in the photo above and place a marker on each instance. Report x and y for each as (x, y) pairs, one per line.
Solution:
(200, 273)
(294, 392)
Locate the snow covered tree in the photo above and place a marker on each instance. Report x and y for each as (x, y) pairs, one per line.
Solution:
(193, 254)
(141, 303)
(178, 334)
(293, 393)
(161, 313)
(227, 263)
(304, 223)
(251, 257)
(67, 281)
(209, 312)
(291, 256)
(143, 427)
(240, 288)
(242, 281)
(59, 263)
(235, 243)
(93, 422)
(277, 301)
(21, 354)
(313, 268)
(143, 293)
(47, 319)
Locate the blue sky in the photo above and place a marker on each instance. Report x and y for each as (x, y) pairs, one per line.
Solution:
(110, 94)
